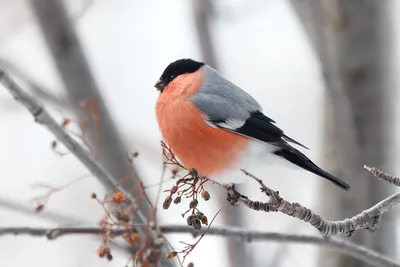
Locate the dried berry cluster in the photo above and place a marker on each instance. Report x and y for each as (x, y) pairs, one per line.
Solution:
(104, 252)
(120, 212)
(121, 219)
(189, 186)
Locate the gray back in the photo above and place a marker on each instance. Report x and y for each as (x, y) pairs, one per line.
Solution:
(220, 99)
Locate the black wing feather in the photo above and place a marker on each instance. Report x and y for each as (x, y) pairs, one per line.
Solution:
(261, 127)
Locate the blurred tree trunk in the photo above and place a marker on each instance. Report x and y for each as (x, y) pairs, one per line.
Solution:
(203, 12)
(352, 41)
(81, 86)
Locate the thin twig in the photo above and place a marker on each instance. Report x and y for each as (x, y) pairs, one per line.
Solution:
(339, 244)
(56, 217)
(157, 226)
(394, 180)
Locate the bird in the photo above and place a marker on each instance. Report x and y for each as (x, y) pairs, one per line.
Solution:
(214, 126)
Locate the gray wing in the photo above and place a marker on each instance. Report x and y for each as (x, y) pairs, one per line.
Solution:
(220, 99)
(227, 106)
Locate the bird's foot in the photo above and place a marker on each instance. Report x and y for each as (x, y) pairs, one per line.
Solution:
(233, 196)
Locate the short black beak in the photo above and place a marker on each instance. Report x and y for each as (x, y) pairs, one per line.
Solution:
(160, 85)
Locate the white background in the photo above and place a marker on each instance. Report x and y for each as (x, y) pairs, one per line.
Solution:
(260, 46)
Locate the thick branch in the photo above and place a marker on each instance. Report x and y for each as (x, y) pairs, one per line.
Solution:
(368, 219)
(341, 245)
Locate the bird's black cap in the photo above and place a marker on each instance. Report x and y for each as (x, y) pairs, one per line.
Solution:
(176, 68)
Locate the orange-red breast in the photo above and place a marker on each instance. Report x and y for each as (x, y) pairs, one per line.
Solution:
(214, 126)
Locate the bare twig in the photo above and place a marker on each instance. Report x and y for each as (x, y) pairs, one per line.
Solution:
(56, 217)
(342, 245)
(157, 226)
(394, 180)
(368, 219)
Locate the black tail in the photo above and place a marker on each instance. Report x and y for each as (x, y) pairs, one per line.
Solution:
(299, 159)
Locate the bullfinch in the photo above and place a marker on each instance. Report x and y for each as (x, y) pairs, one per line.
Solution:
(214, 126)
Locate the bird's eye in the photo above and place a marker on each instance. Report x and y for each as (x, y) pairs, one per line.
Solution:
(172, 76)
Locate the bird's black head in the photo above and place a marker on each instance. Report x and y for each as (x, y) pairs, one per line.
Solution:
(175, 69)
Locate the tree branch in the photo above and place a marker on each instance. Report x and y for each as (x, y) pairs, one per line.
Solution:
(38, 91)
(338, 244)
(86, 99)
(44, 118)
(368, 219)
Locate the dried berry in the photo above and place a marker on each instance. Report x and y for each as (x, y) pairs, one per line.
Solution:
(190, 220)
(204, 220)
(101, 252)
(119, 198)
(177, 200)
(109, 257)
(193, 204)
(65, 122)
(205, 195)
(93, 195)
(171, 254)
(54, 144)
(135, 237)
(167, 202)
(197, 224)
(122, 216)
(39, 207)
